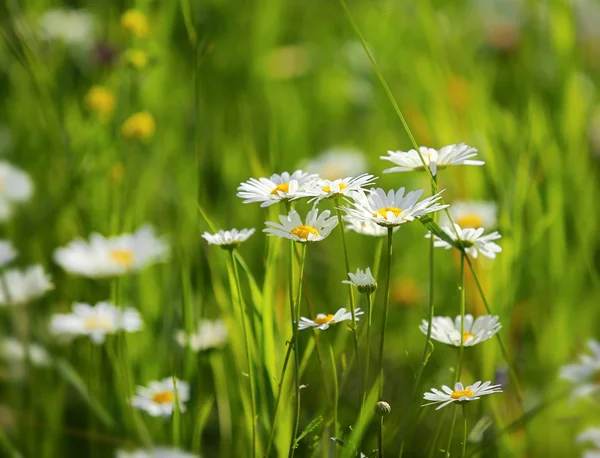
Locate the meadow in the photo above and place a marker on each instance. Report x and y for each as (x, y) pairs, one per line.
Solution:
(130, 132)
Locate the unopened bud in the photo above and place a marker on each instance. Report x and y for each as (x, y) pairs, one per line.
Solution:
(383, 408)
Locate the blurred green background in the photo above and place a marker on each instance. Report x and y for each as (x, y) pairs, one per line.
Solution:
(246, 89)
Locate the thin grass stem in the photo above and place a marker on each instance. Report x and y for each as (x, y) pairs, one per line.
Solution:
(335, 389)
(463, 452)
(453, 425)
(368, 347)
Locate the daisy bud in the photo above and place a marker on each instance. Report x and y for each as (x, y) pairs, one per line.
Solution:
(383, 409)
(363, 281)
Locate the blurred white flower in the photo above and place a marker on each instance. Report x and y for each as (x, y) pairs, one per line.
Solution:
(158, 398)
(210, 334)
(21, 286)
(344, 187)
(473, 214)
(584, 375)
(366, 227)
(447, 331)
(392, 209)
(159, 452)
(473, 240)
(460, 394)
(228, 239)
(7, 252)
(108, 256)
(323, 321)
(13, 350)
(317, 227)
(15, 187)
(71, 26)
(337, 163)
(363, 281)
(591, 435)
(95, 321)
(407, 161)
(275, 189)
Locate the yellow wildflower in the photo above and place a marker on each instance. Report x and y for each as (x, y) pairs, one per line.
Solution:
(136, 58)
(135, 22)
(101, 100)
(139, 126)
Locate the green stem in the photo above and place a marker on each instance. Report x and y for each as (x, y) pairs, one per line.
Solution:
(351, 297)
(380, 438)
(463, 453)
(386, 304)
(461, 288)
(436, 436)
(368, 345)
(451, 432)
(248, 349)
(335, 390)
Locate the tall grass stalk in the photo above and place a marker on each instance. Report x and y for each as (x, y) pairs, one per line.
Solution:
(386, 303)
(368, 346)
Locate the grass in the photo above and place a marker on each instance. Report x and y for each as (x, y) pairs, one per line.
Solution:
(246, 90)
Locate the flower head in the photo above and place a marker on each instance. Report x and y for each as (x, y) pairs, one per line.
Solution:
(392, 209)
(139, 127)
(474, 214)
(15, 187)
(344, 187)
(13, 350)
(591, 435)
(71, 26)
(158, 398)
(22, 286)
(7, 252)
(228, 239)
(95, 321)
(323, 321)
(316, 228)
(472, 239)
(585, 375)
(362, 280)
(446, 330)
(158, 452)
(459, 394)
(105, 257)
(274, 189)
(334, 164)
(136, 22)
(101, 100)
(407, 161)
(210, 334)
(136, 58)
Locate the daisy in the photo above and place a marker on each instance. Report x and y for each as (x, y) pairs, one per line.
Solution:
(210, 334)
(158, 398)
(7, 252)
(317, 227)
(228, 239)
(108, 256)
(362, 280)
(394, 208)
(13, 350)
(15, 187)
(344, 187)
(472, 239)
(591, 435)
(96, 321)
(71, 26)
(366, 227)
(159, 452)
(337, 163)
(460, 394)
(323, 321)
(447, 331)
(275, 189)
(584, 375)
(473, 214)
(407, 161)
(22, 286)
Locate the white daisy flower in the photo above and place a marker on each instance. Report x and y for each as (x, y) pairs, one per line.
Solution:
(13, 350)
(108, 256)
(447, 331)
(210, 334)
(363, 281)
(337, 163)
(407, 161)
(317, 227)
(71, 26)
(22, 286)
(473, 214)
(472, 239)
(366, 227)
(228, 239)
(15, 187)
(591, 435)
(392, 209)
(584, 375)
(275, 189)
(344, 187)
(460, 394)
(159, 452)
(7, 252)
(96, 321)
(158, 398)
(323, 321)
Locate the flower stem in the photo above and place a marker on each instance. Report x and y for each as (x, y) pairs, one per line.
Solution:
(461, 288)
(335, 388)
(368, 345)
(361, 391)
(451, 432)
(386, 304)
(463, 453)
(247, 342)
(380, 438)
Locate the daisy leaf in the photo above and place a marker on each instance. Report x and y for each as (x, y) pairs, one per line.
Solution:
(310, 427)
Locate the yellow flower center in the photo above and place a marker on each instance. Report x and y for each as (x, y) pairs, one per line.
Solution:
(97, 322)
(328, 188)
(304, 231)
(283, 187)
(140, 126)
(136, 22)
(323, 319)
(467, 336)
(101, 100)
(384, 211)
(122, 257)
(458, 394)
(166, 397)
(472, 220)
